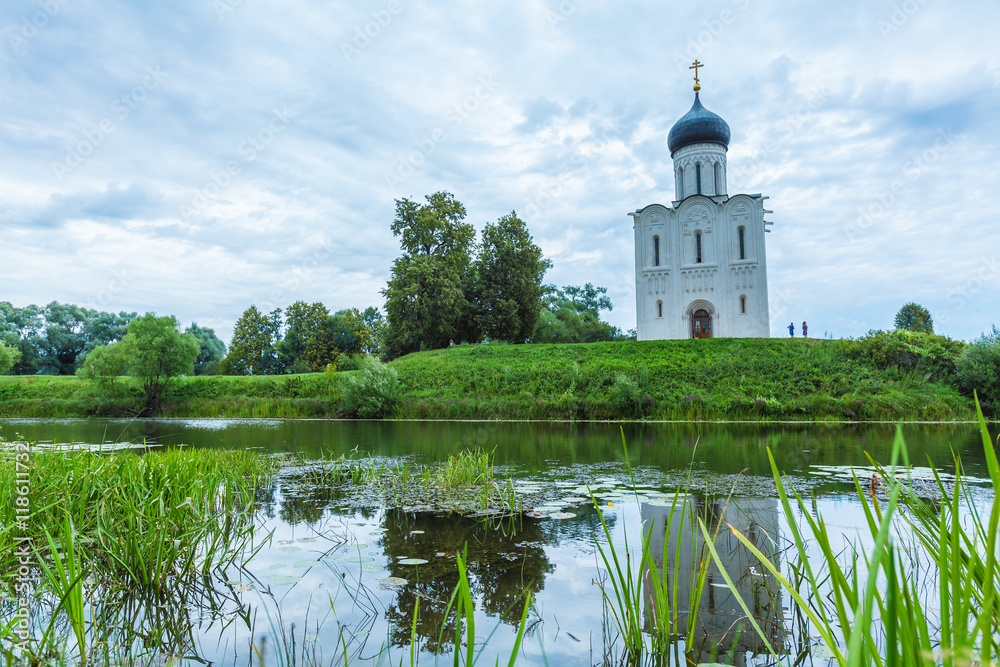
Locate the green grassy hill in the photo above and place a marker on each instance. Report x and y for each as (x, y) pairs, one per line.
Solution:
(728, 379)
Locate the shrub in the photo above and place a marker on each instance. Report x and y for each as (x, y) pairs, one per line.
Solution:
(624, 397)
(979, 369)
(924, 353)
(373, 391)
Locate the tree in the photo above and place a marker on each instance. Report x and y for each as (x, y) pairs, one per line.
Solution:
(427, 294)
(63, 339)
(979, 369)
(572, 315)
(8, 357)
(156, 351)
(105, 365)
(508, 286)
(914, 317)
(212, 349)
(303, 322)
(21, 328)
(253, 350)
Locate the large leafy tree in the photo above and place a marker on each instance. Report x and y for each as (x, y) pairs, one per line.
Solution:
(303, 323)
(154, 351)
(426, 297)
(211, 349)
(253, 350)
(508, 285)
(914, 317)
(63, 340)
(21, 328)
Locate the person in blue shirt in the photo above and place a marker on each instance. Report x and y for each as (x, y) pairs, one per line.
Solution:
(791, 329)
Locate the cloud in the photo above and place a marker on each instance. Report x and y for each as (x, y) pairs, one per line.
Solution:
(558, 110)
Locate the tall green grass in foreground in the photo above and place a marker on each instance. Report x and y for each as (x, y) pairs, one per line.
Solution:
(135, 528)
(866, 607)
(872, 601)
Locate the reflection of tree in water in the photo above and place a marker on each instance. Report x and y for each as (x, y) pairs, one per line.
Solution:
(303, 502)
(502, 563)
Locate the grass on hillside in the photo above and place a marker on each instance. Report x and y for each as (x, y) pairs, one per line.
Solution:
(719, 379)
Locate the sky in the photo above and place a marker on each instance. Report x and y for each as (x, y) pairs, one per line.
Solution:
(195, 157)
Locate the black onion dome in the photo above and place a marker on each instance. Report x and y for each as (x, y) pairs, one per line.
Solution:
(698, 126)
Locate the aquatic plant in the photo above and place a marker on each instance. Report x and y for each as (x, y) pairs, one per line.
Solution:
(868, 607)
(126, 522)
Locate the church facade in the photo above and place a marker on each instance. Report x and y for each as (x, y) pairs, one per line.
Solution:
(700, 263)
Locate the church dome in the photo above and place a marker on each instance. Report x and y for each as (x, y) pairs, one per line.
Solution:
(698, 126)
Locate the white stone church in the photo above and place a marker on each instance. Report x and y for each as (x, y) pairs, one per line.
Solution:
(700, 267)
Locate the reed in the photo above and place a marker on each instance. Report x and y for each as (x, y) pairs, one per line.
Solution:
(868, 607)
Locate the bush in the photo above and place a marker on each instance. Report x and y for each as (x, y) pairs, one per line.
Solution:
(979, 369)
(624, 398)
(373, 391)
(924, 353)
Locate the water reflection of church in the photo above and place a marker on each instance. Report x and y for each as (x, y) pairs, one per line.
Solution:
(721, 621)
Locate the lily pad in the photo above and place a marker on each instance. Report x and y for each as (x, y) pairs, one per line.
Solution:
(276, 566)
(289, 549)
(242, 589)
(412, 561)
(562, 515)
(372, 568)
(282, 580)
(305, 563)
(416, 532)
(393, 581)
(356, 559)
(307, 539)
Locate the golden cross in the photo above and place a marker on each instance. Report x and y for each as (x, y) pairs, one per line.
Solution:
(695, 67)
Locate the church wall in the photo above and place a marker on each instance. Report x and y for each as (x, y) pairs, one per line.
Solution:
(681, 285)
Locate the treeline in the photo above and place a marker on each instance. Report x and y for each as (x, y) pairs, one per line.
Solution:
(304, 338)
(56, 339)
(446, 288)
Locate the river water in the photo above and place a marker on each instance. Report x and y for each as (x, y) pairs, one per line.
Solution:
(339, 579)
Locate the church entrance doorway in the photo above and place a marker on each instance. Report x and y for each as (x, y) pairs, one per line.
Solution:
(701, 324)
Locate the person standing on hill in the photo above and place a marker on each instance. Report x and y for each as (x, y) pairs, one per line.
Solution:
(805, 330)
(791, 329)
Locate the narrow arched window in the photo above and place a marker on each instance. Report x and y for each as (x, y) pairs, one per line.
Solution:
(659, 309)
(743, 304)
(680, 183)
(743, 248)
(656, 251)
(697, 176)
(697, 247)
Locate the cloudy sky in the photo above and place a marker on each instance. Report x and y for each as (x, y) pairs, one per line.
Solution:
(194, 157)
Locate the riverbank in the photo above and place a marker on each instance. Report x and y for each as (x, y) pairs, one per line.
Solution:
(719, 379)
